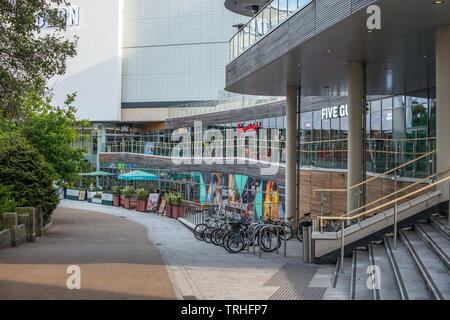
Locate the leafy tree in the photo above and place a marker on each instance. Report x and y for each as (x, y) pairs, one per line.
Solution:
(24, 175)
(52, 130)
(28, 56)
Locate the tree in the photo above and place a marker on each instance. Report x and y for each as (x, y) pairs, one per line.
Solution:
(24, 175)
(28, 57)
(52, 130)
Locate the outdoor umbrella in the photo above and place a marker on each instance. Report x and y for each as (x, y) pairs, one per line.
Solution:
(97, 173)
(137, 175)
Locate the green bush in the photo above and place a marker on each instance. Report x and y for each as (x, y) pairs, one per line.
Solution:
(116, 190)
(142, 194)
(178, 199)
(98, 195)
(174, 199)
(25, 174)
(128, 192)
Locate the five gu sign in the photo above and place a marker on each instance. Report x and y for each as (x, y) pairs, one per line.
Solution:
(71, 15)
(335, 112)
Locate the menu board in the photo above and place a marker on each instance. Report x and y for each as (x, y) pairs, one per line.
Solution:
(153, 199)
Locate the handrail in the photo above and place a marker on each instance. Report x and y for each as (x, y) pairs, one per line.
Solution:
(252, 18)
(340, 218)
(396, 192)
(376, 177)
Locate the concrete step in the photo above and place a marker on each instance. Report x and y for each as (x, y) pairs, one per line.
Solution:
(340, 282)
(409, 282)
(388, 289)
(441, 224)
(358, 287)
(435, 241)
(430, 267)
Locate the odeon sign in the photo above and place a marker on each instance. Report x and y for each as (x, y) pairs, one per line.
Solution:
(71, 15)
(335, 112)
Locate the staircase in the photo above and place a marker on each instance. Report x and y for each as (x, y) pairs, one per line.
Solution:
(418, 269)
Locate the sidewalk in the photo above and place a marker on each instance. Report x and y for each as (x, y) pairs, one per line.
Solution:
(205, 271)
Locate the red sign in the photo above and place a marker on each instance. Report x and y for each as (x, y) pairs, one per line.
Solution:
(250, 126)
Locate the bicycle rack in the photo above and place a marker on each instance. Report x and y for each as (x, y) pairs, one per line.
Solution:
(278, 237)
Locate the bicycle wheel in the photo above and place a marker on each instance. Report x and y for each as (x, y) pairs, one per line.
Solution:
(235, 242)
(286, 231)
(299, 233)
(206, 234)
(198, 230)
(214, 236)
(269, 241)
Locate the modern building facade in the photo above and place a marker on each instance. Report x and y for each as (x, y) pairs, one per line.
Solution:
(135, 58)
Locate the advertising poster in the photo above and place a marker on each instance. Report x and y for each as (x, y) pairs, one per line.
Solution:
(149, 148)
(250, 198)
(162, 207)
(153, 199)
(82, 195)
(272, 207)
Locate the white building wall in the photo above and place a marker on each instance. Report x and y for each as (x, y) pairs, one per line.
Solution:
(95, 73)
(175, 50)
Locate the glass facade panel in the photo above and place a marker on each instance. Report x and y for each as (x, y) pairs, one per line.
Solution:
(283, 10)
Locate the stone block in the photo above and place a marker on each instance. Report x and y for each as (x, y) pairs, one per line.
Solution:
(29, 222)
(5, 238)
(20, 235)
(9, 221)
(39, 223)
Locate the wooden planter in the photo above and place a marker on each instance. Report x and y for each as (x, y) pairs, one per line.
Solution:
(169, 210)
(122, 201)
(126, 203)
(177, 212)
(141, 205)
(116, 201)
(133, 203)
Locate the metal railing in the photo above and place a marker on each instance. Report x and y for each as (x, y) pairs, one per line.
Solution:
(230, 102)
(357, 189)
(271, 15)
(328, 154)
(394, 202)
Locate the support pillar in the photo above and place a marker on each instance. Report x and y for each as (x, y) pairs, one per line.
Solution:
(443, 104)
(291, 150)
(355, 158)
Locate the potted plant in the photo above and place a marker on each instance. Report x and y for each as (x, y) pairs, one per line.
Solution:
(91, 193)
(107, 197)
(169, 201)
(97, 198)
(72, 193)
(177, 209)
(127, 193)
(117, 192)
(142, 198)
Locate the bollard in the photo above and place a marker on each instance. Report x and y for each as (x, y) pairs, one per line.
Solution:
(9, 221)
(307, 242)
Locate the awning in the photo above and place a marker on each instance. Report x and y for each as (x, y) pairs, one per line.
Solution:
(137, 175)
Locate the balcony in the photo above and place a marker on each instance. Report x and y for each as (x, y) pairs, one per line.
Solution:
(270, 16)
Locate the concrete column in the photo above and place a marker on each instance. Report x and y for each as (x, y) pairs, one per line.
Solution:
(355, 159)
(443, 103)
(291, 152)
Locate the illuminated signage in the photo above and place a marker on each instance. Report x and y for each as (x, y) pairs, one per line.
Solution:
(250, 126)
(71, 15)
(335, 112)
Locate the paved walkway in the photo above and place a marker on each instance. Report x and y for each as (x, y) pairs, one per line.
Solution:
(117, 261)
(204, 271)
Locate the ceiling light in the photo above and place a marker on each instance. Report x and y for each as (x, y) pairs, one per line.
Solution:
(370, 31)
(329, 51)
(438, 2)
(299, 65)
(425, 56)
